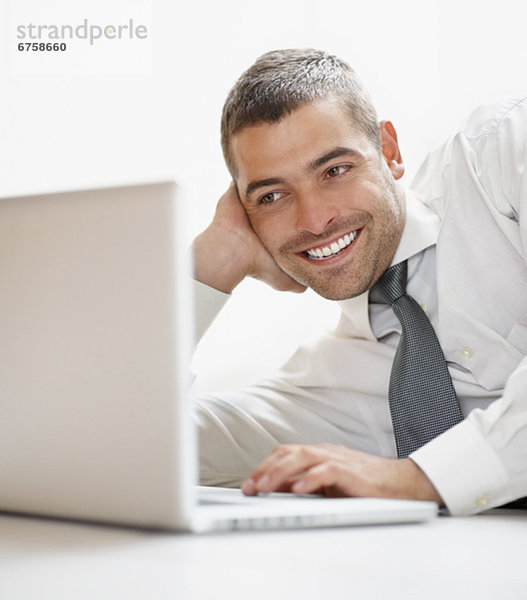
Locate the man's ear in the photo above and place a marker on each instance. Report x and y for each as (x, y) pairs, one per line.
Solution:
(390, 149)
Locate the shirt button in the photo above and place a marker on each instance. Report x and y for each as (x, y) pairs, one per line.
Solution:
(483, 501)
(466, 352)
(424, 308)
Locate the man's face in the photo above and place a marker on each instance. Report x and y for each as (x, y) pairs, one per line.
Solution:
(321, 198)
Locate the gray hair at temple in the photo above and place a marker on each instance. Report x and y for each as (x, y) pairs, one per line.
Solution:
(281, 81)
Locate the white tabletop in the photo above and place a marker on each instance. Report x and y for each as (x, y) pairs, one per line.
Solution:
(449, 558)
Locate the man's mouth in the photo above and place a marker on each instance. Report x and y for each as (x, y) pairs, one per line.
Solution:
(331, 250)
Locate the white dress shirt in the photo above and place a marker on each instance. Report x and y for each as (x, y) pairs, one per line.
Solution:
(465, 239)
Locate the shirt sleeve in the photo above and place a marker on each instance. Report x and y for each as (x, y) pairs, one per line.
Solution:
(482, 462)
(208, 303)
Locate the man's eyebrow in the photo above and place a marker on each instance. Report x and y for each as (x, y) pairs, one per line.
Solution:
(312, 166)
(335, 153)
(254, 185)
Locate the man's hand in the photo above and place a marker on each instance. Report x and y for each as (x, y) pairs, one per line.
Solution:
(339, 471)
(229, 250)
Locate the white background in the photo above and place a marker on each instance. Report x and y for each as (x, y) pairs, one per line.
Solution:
(427, 64)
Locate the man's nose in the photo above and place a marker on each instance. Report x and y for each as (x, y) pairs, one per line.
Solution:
(314, 214)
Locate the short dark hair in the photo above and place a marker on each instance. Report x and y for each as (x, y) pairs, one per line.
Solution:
(281, 81)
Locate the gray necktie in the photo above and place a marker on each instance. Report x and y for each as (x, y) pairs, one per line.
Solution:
(423, 401)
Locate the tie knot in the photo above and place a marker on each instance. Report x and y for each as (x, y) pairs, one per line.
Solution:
(391, 284)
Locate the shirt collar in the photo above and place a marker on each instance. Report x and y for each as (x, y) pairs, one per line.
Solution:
(420, 231)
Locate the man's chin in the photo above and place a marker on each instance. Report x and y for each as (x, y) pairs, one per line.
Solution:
(336, 286)
(330, 291)
(335, 295)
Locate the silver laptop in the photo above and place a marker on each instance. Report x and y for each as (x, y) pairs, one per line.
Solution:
(95, 341)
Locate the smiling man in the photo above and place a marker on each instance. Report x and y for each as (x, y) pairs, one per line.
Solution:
(400, 401)
(321, 197)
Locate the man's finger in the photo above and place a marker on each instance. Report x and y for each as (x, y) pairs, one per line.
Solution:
(283, 464)
(324, 475)
(269, 460)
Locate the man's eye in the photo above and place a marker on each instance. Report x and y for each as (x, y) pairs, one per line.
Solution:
(336, 171)
(269, 198)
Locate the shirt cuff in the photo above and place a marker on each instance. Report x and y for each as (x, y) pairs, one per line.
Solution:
(208, 302)
(464, 469)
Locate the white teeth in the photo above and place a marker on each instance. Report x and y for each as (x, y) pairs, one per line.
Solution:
(333, 248)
